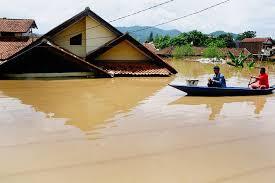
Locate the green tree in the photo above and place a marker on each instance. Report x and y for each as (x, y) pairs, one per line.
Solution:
(182, 51)
(151, 37)
(179, 40)
(229, 40)
(247, 34)
(212, 51)
(219, 43)
(196, 38)
(162, 41)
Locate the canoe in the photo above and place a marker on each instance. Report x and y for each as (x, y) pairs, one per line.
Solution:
(229, 91)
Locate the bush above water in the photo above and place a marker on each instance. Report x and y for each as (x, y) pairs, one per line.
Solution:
(182, 51)
(213, 52)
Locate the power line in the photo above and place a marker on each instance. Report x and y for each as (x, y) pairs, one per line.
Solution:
(138, 12)
(123, 17)
(191, 14)
(173, 20)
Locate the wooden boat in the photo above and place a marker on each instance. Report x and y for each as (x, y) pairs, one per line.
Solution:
(229, 91)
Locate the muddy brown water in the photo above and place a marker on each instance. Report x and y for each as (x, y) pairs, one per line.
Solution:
(135, 130)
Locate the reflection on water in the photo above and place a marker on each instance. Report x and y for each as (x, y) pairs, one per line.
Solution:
(215, 104)
(135, 130)
(84, 103)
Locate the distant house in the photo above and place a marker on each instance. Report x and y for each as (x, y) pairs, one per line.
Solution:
(256, 45)
(15, 34)
(150, 46)
(85, 45)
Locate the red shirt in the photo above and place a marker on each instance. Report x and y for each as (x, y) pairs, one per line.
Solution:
(263, 80)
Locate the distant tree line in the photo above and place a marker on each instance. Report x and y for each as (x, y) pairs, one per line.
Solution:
(199, 39)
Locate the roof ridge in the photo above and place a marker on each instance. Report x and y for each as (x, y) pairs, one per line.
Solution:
(4, 18)
(86, 12)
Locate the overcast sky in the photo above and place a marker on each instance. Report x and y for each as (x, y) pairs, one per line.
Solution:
(235, 16)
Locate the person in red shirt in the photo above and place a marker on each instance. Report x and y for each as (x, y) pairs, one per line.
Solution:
(262, 81)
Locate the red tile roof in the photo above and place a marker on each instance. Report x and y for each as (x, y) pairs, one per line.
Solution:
(166, 51)
(151, 47)
(126, 37)
(10, 46)
(16, 25)
(134, 69)
(256, 40)
(235, 51)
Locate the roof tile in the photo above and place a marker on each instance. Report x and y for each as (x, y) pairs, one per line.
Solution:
(134, 69)
(16, 25)
(256, 40)
(9, 47)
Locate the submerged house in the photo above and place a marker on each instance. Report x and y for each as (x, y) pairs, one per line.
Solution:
(256, 45)
(85, 45)
(15, 34)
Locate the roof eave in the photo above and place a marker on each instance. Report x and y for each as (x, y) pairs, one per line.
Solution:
(30, 47)
(129, 38)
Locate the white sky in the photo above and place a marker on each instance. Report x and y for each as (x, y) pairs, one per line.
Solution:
(236, 16)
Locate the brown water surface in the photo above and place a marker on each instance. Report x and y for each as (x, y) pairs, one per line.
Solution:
(135, 130)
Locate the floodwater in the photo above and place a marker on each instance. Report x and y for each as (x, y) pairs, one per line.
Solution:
(135, 130)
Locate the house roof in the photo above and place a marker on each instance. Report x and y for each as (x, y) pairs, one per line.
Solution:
(16, 25)
(256, 40)
(155, 59)
(81, 15)
(168, 51)
(10, 46)
(134, 69)
(46, 43)
(76, 18)
(151, 47)
(235, 51)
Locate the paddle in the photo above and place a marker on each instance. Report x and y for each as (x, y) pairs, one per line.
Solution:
(250, 82)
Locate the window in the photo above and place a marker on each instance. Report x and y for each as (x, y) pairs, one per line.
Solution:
(76, 40)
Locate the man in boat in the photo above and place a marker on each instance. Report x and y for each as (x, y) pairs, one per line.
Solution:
(218, 79)
(261, 81)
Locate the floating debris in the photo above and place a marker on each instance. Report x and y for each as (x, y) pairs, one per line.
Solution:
(211, 60)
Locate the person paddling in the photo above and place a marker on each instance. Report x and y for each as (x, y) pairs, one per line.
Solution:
(218, 79)
(262, 81)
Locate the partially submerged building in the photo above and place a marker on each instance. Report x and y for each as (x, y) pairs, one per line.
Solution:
(15, 34)
(85, 45)
(256, 45)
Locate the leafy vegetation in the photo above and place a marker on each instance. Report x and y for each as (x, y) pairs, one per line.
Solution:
(219, 43)
(182, 51)
(219, 33)
(228, 39)
(247, 34)
(239, 61)
(198, 39)
(162, 41)
(151, 37)
(213, 51)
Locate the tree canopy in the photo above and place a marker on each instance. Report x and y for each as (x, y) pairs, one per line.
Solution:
(199, 39)
(247, 34)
